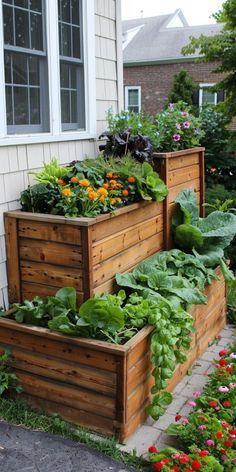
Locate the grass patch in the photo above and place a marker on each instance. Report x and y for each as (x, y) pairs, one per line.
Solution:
(17, 412)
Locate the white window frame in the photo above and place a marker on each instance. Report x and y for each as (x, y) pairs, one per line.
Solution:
(132, 87)
(56, 133)
(201, 87)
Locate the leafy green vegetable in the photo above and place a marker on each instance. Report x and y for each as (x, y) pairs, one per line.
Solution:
(101, 314)
(51, 172)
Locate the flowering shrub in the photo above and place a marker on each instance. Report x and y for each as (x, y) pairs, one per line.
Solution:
(177, 129)
(170, 459)
(212, 423)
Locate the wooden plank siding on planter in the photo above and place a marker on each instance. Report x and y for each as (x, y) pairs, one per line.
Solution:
(99, 385)
(180, 170)
(47, 252)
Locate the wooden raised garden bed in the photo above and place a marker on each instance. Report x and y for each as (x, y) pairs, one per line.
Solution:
(180, 170)
(46, 252)
(99, 385)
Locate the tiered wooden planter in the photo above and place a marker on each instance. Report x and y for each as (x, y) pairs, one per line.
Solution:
(180, 170)
(45, 252)
(97, 384)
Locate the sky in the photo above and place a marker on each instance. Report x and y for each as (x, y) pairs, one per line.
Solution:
(196, 12)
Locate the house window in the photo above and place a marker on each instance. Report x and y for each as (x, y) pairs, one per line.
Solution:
(133, 99)
(209, 97)
(25, 62)
(48, 81)
(71, 64)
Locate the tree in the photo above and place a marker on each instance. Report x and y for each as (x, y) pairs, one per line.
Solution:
(221, 48)
(183, 88)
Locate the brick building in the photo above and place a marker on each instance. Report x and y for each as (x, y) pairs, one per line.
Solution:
(152, 56)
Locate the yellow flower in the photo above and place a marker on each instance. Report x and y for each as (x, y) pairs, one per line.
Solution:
(112, 201)
(84, 183)
(67, 192)
(92, 195)
(103, 191)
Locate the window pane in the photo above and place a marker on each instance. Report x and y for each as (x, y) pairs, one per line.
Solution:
(73, 77)
(65, 106)
(208, 97)
(33, 70)
(34, 106)
(65, 11)
(36, 31)
(133, 97)
(21, 3)
(7, 62)
(22, 28)
(135, 109)
(75, 12)
(36, 5)
(8, 25)
(19, 69)
(9, 105)
(76, 42)
(66, 40)
(65, 82)
(8, 1)
(21, 105)
(74, 114)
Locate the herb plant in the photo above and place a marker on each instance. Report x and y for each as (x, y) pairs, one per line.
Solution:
(8, 380)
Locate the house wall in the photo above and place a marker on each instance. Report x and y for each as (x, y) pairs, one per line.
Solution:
(16, 161)
(156, 81)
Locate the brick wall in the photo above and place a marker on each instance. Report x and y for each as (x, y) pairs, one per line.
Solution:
(156, 81)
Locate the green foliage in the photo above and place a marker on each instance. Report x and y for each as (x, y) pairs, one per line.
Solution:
(207, 237)
(220, 48)
(182, 88)
(40, 198)
(51, 172)
(172, 459)
(8, 380)
(177, 128)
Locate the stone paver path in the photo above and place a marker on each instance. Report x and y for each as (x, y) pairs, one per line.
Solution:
(153, 432)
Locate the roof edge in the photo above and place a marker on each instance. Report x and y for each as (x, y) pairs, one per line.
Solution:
(160, 61)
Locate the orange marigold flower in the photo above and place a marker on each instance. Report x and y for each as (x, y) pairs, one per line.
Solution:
(109, 175)
(67, 192)
(103, 191)
(112, 201)
(90, 189)
(74, 180)
(61, 182)
(105, 186)
(113, 182)
(92, 195)
(131, 179)
(118, 199)
(125, 193)
(84, 183)
(102, 198)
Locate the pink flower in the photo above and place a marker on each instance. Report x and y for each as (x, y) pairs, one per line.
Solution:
(210, 442)
(177, 125)
(233, 355)
(202, 427)
(232, 385)
(186, 124)
(223, 389)
(184, 113)
(197, 394)
(184, 421)
(191, 403)
(176, 137)
(171, 106)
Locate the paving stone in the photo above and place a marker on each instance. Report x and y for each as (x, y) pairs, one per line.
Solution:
(181, 386)
(164, 421)
(200, 367)
(141, 439)
(197, 381)
(176, 405)
(209, 355)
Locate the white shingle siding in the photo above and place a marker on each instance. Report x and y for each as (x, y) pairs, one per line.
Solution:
(16, 161)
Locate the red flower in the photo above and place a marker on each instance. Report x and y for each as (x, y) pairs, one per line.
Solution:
(178, 417)
(212, 403)
(222, 451)
(219, 434)
(232, 431)
(222, 362)
(152, 449)
(165, 461)
(183, 458)
(187, 470)
(228, 442)
(203, 453)
(226, 403)
(158, 465)
(229, 368)
(223, 352)
(196, 465)
(225, 424)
